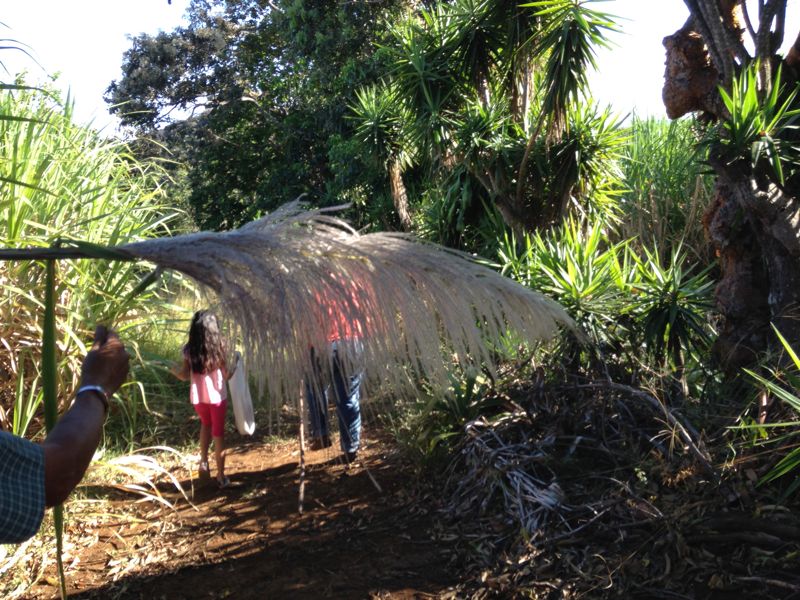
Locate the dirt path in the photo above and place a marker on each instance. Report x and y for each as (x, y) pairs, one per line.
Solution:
(250, 541)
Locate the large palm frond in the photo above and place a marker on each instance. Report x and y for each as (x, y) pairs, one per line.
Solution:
(424, 307)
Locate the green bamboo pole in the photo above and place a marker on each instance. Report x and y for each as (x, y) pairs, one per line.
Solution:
(73, 250)
(50, 393)
(66, 249)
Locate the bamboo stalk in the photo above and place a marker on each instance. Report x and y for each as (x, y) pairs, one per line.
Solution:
(75, 250)
(50, 394)
(302, 490)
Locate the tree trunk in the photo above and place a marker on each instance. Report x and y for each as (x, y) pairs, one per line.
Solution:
(399, 194)
(754, 226)
(740, 293)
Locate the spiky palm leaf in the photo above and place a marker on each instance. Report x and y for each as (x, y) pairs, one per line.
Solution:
(571, 33)
(425, 307)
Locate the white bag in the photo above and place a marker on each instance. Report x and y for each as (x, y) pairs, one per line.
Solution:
(241, 400)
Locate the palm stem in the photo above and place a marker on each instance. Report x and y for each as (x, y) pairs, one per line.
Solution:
(76, 250)
(50, 400)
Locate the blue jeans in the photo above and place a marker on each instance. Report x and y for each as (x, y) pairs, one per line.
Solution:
(346, 395)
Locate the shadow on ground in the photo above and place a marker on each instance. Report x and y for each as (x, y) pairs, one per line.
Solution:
(352, 539)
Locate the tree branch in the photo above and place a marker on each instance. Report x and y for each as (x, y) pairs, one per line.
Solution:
(780, 26)
(56, 253)
(695, 9)
(702, 458)
(763, 50)
(523, 166)
(748, 23)
(716, 25)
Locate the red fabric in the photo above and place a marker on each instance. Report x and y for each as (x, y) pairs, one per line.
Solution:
(337, 309)
(213, 416)
(338, 326)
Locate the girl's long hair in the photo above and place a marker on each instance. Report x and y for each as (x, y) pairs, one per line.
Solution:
(206, 347)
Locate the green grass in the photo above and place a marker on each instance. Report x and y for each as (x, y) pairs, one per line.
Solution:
(59, 180)
(667, 188)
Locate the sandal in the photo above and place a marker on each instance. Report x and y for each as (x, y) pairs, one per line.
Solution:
(223, 483)
(203, 472)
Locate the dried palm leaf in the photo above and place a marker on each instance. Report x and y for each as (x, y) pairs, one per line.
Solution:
(294, 279)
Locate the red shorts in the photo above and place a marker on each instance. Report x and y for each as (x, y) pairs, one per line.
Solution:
(212, 415)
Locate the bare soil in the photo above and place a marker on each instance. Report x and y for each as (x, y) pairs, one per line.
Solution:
(637, 524)
(352, 540)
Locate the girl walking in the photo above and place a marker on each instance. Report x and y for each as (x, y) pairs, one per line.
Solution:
(204, 366)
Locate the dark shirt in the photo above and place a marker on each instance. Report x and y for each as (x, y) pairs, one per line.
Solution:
(21, 488)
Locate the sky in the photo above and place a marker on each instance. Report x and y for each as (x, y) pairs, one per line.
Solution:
(84, 41)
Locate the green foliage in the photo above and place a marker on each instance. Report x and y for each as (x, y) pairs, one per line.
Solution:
(579, 172)
(153, 408)
(379, 120)
(757, 130)
(576, 266)
(624, 301)
(27, 399)
(252, 101)
(428, 427)
(451, 87)
(784, 385)
(64, 181)
(667, 188)
(457, 108)
(570, 33)
(457, 212)
(671, 306)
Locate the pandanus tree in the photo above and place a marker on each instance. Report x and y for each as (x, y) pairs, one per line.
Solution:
(485, 97)
(725, 63)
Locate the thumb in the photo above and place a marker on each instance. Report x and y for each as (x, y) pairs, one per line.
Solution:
(100, 337)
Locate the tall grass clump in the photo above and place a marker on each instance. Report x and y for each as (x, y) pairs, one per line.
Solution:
(60, 180)
(667, 190)
(576, 265)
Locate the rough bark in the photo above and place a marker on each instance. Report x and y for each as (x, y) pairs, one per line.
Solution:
(753, 226)
(690, 80)
(739, 294)
(756, 233)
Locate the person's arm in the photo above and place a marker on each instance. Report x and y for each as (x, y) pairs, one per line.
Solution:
(69, 447)
(183, 372)
(228, 374)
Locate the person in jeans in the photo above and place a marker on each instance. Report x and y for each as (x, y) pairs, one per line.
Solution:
(344, 376)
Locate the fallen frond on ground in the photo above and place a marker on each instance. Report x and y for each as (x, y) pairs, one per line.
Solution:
(575, 494)
(139, 474)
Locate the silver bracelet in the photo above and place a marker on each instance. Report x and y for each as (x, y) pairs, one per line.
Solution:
(94, 388)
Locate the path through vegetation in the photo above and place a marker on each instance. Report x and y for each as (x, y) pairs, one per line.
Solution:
(250, 541)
